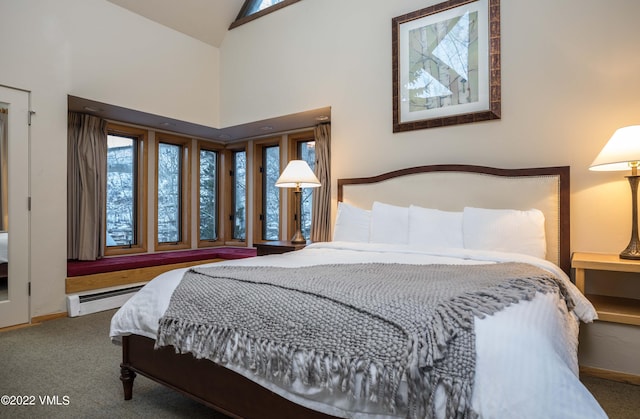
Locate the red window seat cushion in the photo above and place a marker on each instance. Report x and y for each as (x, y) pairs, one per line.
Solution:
(121, 263)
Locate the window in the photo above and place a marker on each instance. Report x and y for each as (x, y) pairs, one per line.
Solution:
(172, 193)
(182, 167)
(303, 148)
(208, 184)
(121, 190)
(270, 193)
(253, 9)
(306, 152)
(257, 6)
(238, 174)
(267, 196)
(125, 203)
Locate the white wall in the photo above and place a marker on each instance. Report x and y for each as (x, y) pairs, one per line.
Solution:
(569, 79)
(95, 50)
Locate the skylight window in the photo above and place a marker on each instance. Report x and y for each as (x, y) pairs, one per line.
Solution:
(253, 9)
(261, 5)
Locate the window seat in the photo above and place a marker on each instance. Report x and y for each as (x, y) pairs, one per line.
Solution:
(122, 270)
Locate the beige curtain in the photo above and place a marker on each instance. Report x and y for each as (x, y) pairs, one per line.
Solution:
(86, 186)
(321, 209)
(4, 170)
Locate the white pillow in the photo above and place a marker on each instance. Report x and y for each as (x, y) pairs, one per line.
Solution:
(435, 228)
(505, 230)
(389, 224)
(352, 224)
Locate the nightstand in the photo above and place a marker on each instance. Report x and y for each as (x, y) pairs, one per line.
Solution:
(277, 247)
(610, 309)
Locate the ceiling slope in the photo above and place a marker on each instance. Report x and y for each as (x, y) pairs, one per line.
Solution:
(205, 20)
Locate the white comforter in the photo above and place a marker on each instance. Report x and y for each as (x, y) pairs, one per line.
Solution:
(526, 361)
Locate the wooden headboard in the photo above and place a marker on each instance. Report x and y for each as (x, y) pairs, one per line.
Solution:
(452, 187)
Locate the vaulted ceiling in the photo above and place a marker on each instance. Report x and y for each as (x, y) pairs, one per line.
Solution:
(206, 20)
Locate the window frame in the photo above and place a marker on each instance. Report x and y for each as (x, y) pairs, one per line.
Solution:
(258, 196)
(229, 188)
(294, 140)
(209, 146)
(243, 16)
(141, 169)
(185, 198)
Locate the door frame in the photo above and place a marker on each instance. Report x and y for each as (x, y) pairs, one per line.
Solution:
(16, 309)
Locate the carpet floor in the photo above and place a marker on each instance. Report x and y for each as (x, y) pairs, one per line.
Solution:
(73, 362)
(68, 368)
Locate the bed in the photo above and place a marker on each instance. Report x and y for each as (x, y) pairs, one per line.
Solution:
(524, 352)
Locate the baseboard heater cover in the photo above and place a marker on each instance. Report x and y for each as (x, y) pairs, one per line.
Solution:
(87, 303)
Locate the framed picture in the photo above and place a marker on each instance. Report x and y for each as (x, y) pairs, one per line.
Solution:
(446, 65)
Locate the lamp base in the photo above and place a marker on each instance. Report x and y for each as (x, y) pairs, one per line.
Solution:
(298, 238)
(632, 251)
(630, 256)
(633, 248)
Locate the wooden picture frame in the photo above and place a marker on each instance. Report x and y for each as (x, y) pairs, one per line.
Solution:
(446, 65)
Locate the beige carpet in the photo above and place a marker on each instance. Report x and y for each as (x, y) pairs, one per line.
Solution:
(619, 400)
(74, 358)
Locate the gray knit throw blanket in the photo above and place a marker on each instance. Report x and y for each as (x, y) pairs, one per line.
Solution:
(320, 322)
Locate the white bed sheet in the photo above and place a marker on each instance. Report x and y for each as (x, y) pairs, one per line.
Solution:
(526, 355)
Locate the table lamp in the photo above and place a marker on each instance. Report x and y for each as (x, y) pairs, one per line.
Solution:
(297, 175)
(622, 152)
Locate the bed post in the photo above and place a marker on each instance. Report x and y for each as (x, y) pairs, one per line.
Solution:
(127, 375)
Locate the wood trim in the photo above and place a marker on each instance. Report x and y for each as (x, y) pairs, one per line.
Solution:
(35, 321)
(124, 277)
(16, 327)
(185, 143)
(562, 172)
(297, 137)
(219, 149)
(47, 317)
(227, 194)
(620, 377)
(229, 190)
(142, 189)
(258, 192)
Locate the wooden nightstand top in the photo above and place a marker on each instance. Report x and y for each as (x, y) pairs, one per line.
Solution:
(604, 262)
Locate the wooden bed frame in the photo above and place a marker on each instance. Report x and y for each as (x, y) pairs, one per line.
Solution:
(234, 395)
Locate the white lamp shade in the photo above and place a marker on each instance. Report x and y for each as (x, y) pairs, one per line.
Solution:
(623, 147)
(297, 174)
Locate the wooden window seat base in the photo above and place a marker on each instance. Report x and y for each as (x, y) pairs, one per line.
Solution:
(123, 270)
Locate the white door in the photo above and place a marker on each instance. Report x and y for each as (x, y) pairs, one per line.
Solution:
(14, 209)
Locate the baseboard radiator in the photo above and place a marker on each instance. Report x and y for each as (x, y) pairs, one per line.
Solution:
(87, 303)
